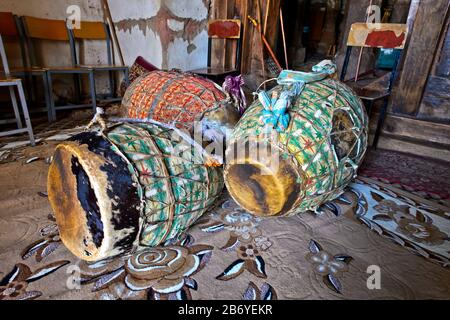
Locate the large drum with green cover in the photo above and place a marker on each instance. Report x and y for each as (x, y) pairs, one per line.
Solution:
(283, 172)
(136, 184)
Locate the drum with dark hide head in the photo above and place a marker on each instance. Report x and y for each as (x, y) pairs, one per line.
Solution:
(127, 187)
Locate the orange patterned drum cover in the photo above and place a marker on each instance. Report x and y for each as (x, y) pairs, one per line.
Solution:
(171, 97)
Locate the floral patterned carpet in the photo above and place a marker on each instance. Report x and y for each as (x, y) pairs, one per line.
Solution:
(424, 177)
(230, 254)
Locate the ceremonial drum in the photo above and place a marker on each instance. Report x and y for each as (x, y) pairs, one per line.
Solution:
(171, 97)
(114, 191)
(273, 172)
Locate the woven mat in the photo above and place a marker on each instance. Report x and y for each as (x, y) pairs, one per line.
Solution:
(231, 254)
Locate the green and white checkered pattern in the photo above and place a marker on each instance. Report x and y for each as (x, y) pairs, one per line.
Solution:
(307, 140)
(176, 189)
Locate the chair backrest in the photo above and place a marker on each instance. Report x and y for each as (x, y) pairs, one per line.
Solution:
(10, 28)
(45, 29)
(42, 29)
(4, 59)
(376, 35)
(8, 25)
(225, 29)
(90, 30)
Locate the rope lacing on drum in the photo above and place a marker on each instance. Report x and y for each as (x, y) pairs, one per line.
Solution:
(292, 84)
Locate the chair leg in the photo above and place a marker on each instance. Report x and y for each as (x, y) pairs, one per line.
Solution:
(127, 76)
(370, 107)
(51, 110)
(23, 102)
(29, 87)
(77, 83)
(92, 89)
(380, 122)
(112, 84)
(33, 86)
(15, 107)
(47, 94)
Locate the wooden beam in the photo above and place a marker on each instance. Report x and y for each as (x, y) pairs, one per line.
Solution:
(410, 127)
(231, 45)
(417, 61)
(218, 49)
(263, 67)
(284, 40)
(112, 27)
(435, 104)
(272, 27)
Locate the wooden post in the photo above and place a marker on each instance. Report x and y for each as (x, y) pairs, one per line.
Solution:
(266, 17)
(263, 67)
(269, 49)
(362, 48)
(284, 39)
(426, 27)
(109, 20)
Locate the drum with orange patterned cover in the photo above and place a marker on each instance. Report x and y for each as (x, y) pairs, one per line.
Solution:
(171, 97)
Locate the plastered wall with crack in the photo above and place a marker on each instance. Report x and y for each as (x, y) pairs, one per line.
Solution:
(169, 33)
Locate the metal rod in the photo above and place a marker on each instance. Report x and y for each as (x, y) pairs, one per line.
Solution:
(284, 39)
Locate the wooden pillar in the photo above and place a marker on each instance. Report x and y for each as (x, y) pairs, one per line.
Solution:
(426, 21)
(435, 104)
(218, 49)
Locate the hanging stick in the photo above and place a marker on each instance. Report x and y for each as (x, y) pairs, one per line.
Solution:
(266, 17)
(258, 8)
(272, 54)
(108, 18)
(362, 48)
(284, 39)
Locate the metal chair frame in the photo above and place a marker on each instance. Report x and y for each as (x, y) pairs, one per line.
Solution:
(11, 83)
(25, 71)
(110, 68)
(51, 71)
(382, 96)
(222, 73)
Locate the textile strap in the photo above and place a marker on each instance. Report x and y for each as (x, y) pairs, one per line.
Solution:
(233, 87)
(292, 82)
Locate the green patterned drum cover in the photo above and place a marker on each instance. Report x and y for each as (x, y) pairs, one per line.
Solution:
(317, 155)
(127, 188)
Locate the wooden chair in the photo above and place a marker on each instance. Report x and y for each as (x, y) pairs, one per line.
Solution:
(97, 31)
(228, 29)
(11, 30)
(375, 35)
(8, 81)
(55, 30)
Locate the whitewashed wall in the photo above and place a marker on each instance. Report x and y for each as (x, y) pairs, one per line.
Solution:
(168, 33)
